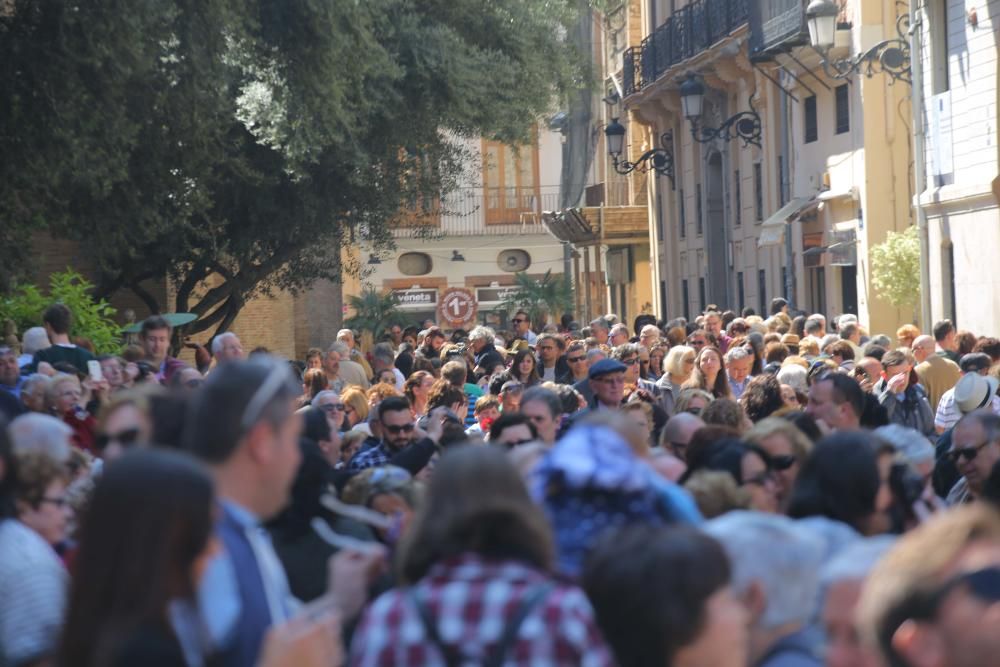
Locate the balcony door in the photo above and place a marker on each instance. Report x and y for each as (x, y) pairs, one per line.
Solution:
(510, 179)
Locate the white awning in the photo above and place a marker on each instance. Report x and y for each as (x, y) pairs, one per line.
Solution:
(772, 231)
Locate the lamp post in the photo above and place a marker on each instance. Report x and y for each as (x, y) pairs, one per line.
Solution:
(745, 125)
(660, 160)
(891, 56)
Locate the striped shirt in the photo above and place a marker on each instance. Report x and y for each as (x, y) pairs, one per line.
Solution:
(33, 590)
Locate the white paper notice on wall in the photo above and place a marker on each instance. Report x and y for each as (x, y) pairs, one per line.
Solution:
(941, 137)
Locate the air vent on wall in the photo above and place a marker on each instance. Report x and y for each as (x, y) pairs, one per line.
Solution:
(513, 261)
(414, 264)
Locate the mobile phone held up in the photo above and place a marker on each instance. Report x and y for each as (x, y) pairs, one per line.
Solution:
(94, 370)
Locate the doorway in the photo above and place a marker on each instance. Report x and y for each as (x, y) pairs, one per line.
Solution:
(849, 289)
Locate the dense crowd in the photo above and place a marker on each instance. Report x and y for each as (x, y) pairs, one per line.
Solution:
(738, 490)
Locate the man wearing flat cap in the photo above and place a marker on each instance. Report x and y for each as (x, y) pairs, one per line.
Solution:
(607, 381)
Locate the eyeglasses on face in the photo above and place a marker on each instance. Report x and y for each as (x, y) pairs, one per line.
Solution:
(125, 438)
(518, 320)
(405, 428)
(967, 453)
(630, 362)
(576, 360)
(697, 343)
(783, 462)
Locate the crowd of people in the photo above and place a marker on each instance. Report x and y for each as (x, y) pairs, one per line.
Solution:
(739, 490)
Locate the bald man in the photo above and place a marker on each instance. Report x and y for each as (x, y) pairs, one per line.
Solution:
(677, 433)
(937, 374)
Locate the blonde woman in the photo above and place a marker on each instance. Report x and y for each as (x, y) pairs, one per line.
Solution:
(677, 367)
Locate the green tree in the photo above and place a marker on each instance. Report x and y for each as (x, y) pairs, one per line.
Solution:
(374, 311)
(93, 319)
(896, 267)
(235, 146)
(549, 296)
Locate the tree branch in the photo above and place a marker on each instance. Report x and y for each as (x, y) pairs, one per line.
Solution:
(146, 297)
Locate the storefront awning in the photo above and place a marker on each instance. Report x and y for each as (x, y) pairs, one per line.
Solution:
(772, 231)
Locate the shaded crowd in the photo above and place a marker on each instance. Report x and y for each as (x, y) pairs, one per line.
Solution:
(777, 491)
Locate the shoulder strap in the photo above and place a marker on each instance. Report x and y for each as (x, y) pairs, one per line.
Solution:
(534, 596)
(451, 657)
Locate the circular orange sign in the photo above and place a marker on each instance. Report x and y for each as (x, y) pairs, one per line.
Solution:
(457, 307)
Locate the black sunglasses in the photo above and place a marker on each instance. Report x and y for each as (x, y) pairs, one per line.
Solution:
(782, 462)
(405, 428)
(127, 438)
(967, 453)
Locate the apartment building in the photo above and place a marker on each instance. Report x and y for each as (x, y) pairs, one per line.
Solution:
(787, 173)
(479, 235)
(959, 117)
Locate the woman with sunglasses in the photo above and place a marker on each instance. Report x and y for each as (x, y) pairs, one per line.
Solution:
(749, 465)
(788, 448)
(709, 373)
(125, 422)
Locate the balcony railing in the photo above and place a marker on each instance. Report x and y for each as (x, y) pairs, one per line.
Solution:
(480, 212)
(689, 31)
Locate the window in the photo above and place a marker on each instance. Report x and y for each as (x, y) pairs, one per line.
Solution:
(812, 131)
(758, 192)
(783, 288)
(511, 182)
(701, 294)
(762, 290)
(740, 293)
(699, 219)
(843, 109)
(937, 15)
(738, 199)
(663, 298)
(686, 300)
(682, 223)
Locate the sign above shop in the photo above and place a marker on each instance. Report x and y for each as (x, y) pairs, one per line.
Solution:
(457, 307)
(416, 298)
(494, 294)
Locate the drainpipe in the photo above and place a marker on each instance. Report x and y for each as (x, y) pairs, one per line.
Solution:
(786, 123)
(919, 163)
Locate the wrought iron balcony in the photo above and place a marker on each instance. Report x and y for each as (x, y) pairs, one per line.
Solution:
(472, 211)
(689, 31)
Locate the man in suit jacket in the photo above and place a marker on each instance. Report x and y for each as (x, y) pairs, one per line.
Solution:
(244, 426)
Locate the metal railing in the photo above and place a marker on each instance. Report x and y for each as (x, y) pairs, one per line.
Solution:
(689, 31)
(480, 212)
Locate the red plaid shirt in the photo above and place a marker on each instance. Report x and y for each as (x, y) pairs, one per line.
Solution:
(471, 600)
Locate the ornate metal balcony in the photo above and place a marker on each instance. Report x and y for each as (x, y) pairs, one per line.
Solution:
(694, 28)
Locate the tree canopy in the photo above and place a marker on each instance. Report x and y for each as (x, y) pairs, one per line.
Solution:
(235, 145)
(895, 266)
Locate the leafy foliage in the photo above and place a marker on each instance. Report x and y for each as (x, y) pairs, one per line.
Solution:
(374, 311)
(896, 267)
(236, 145)
(92, 318)
(549, 296)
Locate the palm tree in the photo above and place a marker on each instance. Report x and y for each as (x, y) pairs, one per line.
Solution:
(549, 296)
(374, 311)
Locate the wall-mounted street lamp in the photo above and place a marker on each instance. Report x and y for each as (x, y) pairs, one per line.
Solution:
(745, 125)
(660, 160)
(891, 56)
